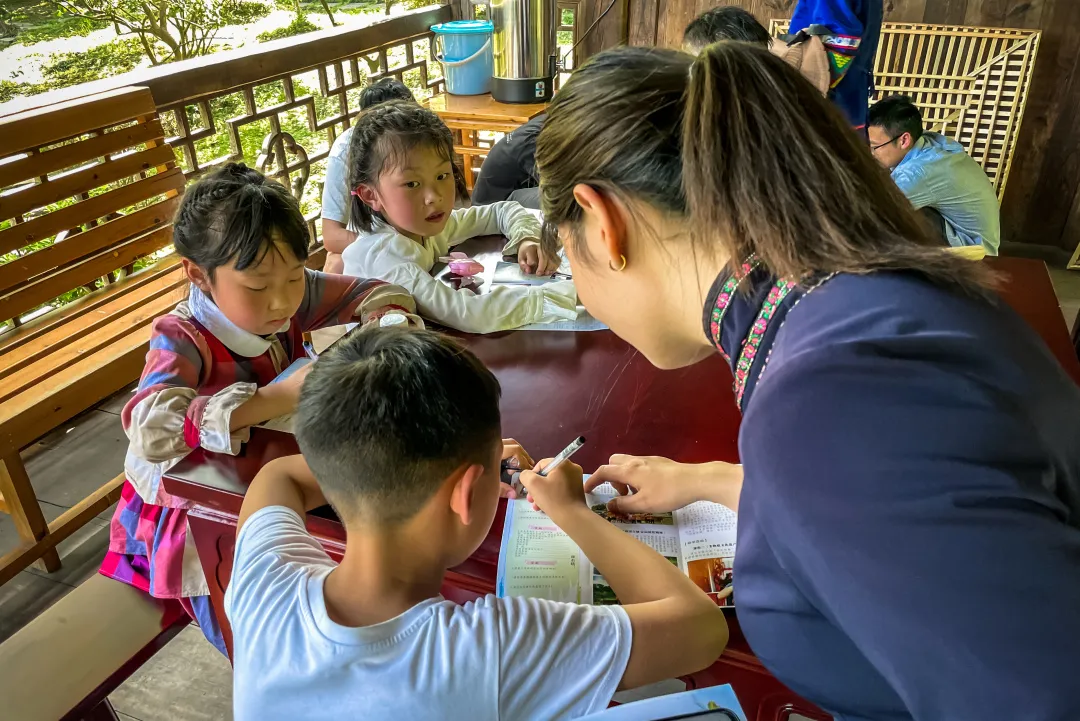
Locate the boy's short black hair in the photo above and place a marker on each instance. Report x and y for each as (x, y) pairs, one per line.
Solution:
(383, 90)
(387, 414)
(725, 23)
(897, 114)
(235, 215)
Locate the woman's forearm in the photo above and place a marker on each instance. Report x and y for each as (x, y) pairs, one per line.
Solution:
(720, 483)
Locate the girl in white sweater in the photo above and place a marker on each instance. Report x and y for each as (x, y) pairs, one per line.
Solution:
(404, 184)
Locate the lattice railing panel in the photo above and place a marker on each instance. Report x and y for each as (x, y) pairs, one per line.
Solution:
(285, 125)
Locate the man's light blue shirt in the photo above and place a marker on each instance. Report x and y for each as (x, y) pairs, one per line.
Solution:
(937, 173)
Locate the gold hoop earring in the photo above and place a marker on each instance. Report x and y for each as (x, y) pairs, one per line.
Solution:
(621, 267)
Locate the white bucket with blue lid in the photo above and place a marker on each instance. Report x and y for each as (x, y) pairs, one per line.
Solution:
(463, 47)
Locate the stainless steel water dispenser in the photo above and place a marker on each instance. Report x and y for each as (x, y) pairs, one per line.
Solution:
(524, 50)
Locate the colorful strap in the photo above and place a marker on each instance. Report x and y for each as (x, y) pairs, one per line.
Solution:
(723, 301)
(777, 294)
(841, 50)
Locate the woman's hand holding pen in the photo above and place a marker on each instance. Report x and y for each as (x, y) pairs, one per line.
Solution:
(649, 484)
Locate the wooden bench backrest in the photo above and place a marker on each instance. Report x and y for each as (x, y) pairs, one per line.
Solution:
(87, 187)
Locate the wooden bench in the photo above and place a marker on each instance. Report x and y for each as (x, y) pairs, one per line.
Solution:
(65, 663)
(97, 179)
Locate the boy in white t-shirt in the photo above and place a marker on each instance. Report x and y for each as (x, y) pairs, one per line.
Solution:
(400, 430)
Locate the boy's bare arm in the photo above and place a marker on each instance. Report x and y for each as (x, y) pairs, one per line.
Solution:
(282, 482)
(677, 629)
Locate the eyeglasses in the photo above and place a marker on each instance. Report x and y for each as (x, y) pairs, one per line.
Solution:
(887, 142)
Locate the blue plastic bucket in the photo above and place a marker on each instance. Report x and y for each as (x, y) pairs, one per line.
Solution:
(464, 49)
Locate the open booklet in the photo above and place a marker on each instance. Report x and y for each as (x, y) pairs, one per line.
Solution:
(715, 703)
(537, 559)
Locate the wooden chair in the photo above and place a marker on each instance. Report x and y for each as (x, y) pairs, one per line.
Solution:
(65, 663)
(88, 188)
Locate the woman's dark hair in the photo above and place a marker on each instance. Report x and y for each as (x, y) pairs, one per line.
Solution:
(383, 90)
(236, 215)
(725, 23)
(382, 137)
(746, 152)
(897, 114)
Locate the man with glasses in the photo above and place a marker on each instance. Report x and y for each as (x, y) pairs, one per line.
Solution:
(937, 176)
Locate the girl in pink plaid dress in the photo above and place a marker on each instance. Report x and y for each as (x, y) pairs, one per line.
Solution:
(243, 243)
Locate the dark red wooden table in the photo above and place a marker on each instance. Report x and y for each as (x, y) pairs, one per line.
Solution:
(558, 385)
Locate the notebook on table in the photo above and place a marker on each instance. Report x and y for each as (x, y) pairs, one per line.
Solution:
(716, 703)
(536, 559)
(510, 273)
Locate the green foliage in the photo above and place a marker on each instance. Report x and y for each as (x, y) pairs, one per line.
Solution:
(119, 56)
(298, 26)
(185, 28)
(244, 12)
(10, 89)
(361, 7)
(32, 21)
(61, 27)
(62, 70)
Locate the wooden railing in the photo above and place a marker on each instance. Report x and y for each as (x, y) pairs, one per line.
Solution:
(276, 106)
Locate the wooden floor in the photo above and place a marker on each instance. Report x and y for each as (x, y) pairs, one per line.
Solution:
(188, 680)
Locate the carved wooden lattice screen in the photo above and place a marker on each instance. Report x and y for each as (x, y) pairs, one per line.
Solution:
(970, 83)
(285, 125)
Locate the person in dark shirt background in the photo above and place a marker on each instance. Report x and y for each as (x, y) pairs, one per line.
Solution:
(510, 167)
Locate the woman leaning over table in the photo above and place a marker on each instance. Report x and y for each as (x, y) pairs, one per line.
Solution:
(908, 442)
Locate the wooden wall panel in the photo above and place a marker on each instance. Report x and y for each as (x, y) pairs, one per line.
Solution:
(1046, 173)
(610, 32)
(1042, 199)
(642, 22)
(906, 11)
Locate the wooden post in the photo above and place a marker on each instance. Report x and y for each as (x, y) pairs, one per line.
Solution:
(22, 504)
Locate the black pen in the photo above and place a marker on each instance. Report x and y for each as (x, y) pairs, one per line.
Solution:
(515, 481)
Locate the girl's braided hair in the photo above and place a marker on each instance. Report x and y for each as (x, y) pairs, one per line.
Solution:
(382, 137)
(236, 215)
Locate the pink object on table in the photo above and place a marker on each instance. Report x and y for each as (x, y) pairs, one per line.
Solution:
(463, 265)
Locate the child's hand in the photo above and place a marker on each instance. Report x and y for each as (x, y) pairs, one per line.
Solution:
(534, 261)
(269, 402)
(558, 492)
(292, 385)
(515, 458)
